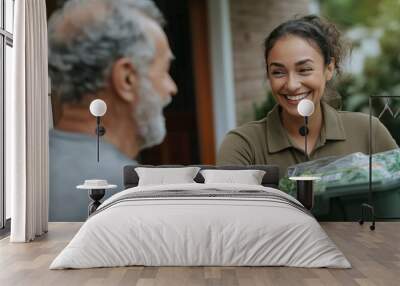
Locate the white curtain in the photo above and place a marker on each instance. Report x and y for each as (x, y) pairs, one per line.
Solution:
(27, 124)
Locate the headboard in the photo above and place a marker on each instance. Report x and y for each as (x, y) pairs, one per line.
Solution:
(270, 179)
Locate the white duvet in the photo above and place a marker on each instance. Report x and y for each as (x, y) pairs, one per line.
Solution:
(200, 231)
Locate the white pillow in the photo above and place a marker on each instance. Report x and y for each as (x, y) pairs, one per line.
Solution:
(248, 177)
(162, 176)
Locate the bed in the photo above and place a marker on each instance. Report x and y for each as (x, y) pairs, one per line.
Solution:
(201, 224)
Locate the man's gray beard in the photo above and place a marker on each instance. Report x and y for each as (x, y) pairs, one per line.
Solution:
(148, 115)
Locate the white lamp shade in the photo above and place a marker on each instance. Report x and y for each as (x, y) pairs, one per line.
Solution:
(98, 107)
(305, 107)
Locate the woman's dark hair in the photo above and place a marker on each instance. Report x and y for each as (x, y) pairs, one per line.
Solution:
(311, 28)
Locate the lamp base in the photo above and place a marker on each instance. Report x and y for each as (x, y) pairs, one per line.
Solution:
(303, 130)
(100, 130)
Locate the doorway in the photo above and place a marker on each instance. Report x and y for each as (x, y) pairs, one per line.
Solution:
(189, 118)
(181, 143)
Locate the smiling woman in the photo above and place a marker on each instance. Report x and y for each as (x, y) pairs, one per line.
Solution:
(302, 56)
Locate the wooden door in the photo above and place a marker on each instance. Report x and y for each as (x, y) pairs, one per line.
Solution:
(189, 118)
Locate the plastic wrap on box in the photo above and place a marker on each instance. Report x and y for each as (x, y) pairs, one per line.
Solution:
(344, 171)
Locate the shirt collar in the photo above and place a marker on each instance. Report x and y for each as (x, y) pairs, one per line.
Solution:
(278, 139)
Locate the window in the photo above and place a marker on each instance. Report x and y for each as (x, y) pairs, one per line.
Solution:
(9, 13)
(6, 64)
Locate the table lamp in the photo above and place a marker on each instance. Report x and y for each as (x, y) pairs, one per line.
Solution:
(305, 193)
(98, 108)
(305, 108)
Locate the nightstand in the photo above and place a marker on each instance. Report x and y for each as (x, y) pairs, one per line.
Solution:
(96, 190)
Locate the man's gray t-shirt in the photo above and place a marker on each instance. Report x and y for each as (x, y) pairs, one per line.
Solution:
(73, 159)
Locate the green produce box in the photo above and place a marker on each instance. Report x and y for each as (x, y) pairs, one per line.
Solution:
(343, 203)
(343, 185)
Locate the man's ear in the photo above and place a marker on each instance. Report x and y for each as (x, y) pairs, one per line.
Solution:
(124, 79)
(330, 69)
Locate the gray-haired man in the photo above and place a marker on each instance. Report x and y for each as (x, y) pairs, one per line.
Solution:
(115, 50)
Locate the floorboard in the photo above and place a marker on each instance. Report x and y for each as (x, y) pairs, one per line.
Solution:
(374, 255)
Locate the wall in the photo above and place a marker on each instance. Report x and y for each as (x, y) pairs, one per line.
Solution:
(251, 21)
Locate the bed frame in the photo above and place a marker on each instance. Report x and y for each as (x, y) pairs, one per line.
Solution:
(270, 179)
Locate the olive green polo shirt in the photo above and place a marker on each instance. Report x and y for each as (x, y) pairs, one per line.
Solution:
(267, 142)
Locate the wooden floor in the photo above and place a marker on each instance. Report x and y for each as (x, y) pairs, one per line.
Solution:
(374, 255)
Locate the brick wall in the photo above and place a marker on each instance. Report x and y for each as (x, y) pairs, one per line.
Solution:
(251, 22)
